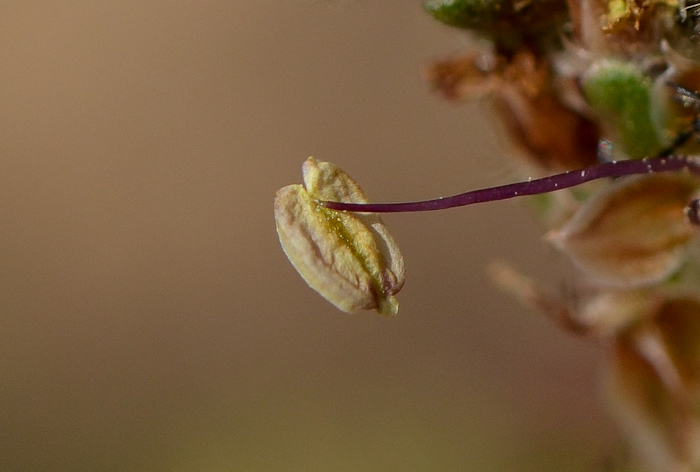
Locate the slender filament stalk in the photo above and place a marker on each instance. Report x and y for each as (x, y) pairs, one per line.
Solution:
(533, 187)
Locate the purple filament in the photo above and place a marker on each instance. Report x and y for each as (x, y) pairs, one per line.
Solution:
(532, 187)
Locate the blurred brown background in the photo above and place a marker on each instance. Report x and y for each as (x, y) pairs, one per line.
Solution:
(148, 318)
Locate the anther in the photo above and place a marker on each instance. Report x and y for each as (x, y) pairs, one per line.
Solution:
(692, 211)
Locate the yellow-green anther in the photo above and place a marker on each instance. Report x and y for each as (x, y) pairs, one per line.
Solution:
(349, 258)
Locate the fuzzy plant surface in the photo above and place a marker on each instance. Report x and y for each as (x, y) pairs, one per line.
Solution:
(599, 100)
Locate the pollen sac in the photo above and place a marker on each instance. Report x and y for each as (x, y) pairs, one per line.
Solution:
(349, 258)
(632, 233)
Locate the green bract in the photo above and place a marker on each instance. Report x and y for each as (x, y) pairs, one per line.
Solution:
(509, 23)
(464, 13)
(621, 96)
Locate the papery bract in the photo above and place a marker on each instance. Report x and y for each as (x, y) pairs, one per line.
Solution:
(632, 233)
(653, 385)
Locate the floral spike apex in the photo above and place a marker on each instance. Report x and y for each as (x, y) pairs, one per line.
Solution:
(349, 258)
(599, 102)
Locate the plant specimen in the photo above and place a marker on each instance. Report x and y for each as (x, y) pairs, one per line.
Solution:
(600, 104)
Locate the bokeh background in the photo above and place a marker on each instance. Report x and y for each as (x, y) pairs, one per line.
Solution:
(148, 318)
